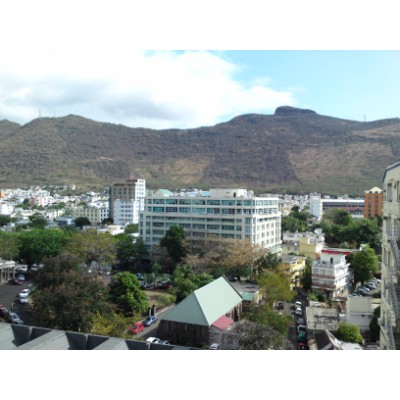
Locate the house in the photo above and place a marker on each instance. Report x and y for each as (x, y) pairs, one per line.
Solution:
(308, 244)
(293, 267)
(331, 273)
(360, 310)
(190, 322)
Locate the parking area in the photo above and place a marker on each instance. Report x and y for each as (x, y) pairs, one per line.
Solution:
(9, 298)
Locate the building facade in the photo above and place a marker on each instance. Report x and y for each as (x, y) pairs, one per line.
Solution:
(221, 213)
(373, 199)
(319, 206)
(390, 267)
(309, 244)
(331, 273)
(94, 214)
(127, 200)
(293, 267)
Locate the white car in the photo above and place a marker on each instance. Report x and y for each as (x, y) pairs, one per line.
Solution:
(21, 268)
(298, 311)
(24, 293)
(24, 300)
(152, 340)
(15, 319)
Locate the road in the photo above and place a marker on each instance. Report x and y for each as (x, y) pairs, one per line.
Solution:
(9, 298)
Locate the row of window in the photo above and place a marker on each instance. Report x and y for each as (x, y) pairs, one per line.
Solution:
(203, 202)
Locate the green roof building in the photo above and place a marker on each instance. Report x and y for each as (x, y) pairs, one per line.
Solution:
(191, 320)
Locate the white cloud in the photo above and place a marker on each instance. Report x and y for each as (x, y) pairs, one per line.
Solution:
(153, 89)
(83, 60)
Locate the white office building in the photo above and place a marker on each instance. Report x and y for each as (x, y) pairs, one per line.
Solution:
(127, 200)
(219, 213)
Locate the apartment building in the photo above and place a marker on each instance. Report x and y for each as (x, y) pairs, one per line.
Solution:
(309, 244)
(294, 267)
(127, 200)
(390, 267)
(331, 273)
(219, 213)
(373, 200)
(95, 214)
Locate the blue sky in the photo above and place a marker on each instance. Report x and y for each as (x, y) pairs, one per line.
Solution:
(74, 59)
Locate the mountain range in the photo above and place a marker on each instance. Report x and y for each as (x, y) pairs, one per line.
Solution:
(292, 150)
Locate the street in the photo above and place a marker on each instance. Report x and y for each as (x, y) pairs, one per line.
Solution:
(9, 298)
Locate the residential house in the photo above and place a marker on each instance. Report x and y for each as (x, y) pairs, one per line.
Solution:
(308, 244)
(293, 267)
(331, 273)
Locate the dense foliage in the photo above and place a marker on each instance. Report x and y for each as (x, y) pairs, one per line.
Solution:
(349, 333)
(126, 293)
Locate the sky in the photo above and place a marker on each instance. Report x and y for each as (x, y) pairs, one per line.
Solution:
(111, 64)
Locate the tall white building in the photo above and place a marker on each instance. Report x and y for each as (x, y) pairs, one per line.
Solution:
(219, 213)
(127, 200)
(316, 205)
(390, 267)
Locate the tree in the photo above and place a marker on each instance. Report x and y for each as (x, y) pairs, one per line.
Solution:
(374, 328)
(82, 221)
(364, 264)
(275, 287)
(67, 298)
(349, 333)
(185, 281)
(4, 219)
(256, 336)
(125, 249)
(36, 244)
(265, 315)
(9, 245)
(125, 292)
(338, 217)
(306, 277)
(131, 228)
(173, 243)
(269, 262)
(92, 246)
(296, 221)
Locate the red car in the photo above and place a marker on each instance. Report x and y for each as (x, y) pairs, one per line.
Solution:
(138, 327)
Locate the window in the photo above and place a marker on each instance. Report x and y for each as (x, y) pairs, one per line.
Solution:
(172, 209)
(213, 202)
(171, 201)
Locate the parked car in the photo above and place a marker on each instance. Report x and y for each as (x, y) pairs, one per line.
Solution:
(21, 277)
(298, 303)
(149, 320)
(15, 281)
(24, 293)
(214, 346)
(15, 319)
(298, 311)
(164, 342)
(300, 321)
(24, 300)
(280, 306)
(301, 328)
(302, 337)
(152, 340)
(135, 329)
(21, 268)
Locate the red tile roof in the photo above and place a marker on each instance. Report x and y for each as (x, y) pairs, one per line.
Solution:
(223, 323)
